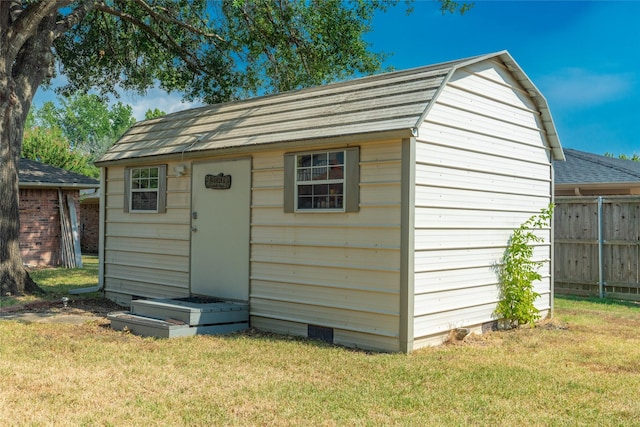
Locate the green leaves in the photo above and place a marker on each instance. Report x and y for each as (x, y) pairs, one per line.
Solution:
(51, 147)
(75, 133)
(289, 44)
(518, 271)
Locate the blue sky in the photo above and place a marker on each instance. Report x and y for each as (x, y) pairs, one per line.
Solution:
(583, 56)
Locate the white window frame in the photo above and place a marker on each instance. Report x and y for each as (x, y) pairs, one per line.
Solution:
(311, 172)
(159, 189)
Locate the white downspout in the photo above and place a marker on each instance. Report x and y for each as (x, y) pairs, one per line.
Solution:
(101, 227)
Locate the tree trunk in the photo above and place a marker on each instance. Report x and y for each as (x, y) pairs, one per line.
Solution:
(21, 72)
(14, 279)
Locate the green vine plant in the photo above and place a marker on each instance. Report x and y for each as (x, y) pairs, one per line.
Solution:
(518, 271)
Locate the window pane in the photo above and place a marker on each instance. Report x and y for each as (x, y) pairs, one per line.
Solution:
(319, 173)
(153, 183)
(336, 189)
(321, 190)
(304, 161)
(305, 202)
(305, 190)
(304, 174)
(144, 201)
(320, 159)
(336, 196)
(336, 158)
(336, 172)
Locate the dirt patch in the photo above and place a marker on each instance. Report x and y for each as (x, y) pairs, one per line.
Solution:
(73, 310)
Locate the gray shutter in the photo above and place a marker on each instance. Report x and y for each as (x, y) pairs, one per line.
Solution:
(162, 188)
(352, 179)
(289, 183)
(127, 188)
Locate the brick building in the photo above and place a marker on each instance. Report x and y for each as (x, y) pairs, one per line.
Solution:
(42, 187)
(89, 217)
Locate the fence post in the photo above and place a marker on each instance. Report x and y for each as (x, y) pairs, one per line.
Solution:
(600, 250)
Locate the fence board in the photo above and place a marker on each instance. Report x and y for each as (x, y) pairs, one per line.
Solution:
(576, 246)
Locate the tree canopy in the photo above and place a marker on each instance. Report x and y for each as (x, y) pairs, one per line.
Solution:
(50, 146)
(208, 50)
(216, 51)
(634, 157)
(86, 122)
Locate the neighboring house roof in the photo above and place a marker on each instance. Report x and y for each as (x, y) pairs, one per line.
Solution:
(588, 174)
(389, 105)
(581, 167)
(36, 174)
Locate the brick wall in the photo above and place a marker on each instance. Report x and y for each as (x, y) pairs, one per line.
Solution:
(89, 217)
(40, 225)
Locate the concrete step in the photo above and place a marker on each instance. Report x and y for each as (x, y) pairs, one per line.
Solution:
(150, 327)
(192, 311)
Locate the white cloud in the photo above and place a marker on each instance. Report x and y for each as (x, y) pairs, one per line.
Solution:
(578, 87)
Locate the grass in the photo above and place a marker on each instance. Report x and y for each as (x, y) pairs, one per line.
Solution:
(57, 282)
(581, 369)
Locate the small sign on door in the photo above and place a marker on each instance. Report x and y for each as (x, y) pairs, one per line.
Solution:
(218, 182)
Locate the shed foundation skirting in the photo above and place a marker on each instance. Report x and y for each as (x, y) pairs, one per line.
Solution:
(341, 337)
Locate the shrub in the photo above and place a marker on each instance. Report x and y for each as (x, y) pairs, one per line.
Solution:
(518, 271)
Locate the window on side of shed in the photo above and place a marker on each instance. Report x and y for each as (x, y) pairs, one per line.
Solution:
(145, 189)
(322, 181)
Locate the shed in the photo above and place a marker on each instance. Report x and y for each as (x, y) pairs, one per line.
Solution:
(42, 187)
(370, 213)
(590, 174)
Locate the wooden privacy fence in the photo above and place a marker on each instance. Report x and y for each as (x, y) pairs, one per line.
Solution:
(597, 246)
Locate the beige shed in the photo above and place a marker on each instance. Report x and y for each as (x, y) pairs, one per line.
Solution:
(370, 213)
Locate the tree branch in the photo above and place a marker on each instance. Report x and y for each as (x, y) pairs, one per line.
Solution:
(188, 57)
(166, 18)
(27, 21)
(74, 18)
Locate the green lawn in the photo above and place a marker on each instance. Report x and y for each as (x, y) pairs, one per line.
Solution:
(581, 369)
(57, 282)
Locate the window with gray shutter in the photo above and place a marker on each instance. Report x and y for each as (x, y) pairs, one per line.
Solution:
(322, 181)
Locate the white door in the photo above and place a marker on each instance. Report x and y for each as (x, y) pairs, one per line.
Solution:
(220, 215)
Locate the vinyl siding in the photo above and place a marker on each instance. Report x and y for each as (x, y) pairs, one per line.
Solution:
(482, 168)
(338, 270)
(147, 254)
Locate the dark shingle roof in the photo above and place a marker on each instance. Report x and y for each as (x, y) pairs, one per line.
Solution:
(36, 174)
(581, 167)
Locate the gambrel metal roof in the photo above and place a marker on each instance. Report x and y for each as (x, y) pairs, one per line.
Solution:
(390, 104)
